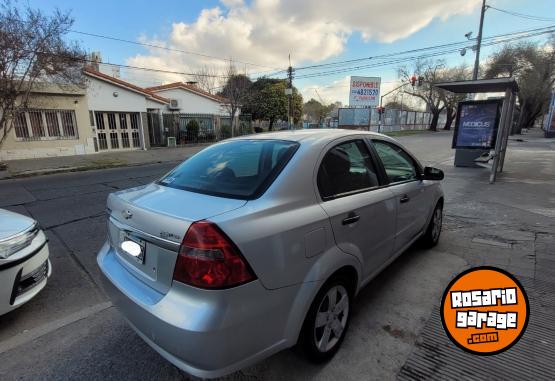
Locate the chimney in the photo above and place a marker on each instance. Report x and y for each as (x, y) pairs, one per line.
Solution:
(96, 59)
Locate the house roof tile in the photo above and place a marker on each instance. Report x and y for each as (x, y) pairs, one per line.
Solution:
(187, 87)
(118, 82)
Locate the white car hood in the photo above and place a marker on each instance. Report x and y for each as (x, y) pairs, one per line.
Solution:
(13, 223)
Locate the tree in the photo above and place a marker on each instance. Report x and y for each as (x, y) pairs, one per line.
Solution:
(32, 52)
(451, 100)
(395, 105)
(316, 111)
(235, 91)
(533, 67)
(430, 72)
(207, 78)
(267, 100)
(192, 130)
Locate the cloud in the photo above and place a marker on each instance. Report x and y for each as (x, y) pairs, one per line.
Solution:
(265, 32)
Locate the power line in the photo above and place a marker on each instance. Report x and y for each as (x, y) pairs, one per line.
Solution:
(168, 49)
(459, 44)
(411, 58)
(522, 15)
(344, 69)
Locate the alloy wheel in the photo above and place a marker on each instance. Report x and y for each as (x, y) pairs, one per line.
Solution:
(437, 221)
(331, 318)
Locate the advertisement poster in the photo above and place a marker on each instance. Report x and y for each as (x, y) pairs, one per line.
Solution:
(354, 117)
(476, 125)
(549, 121)
(365, 91)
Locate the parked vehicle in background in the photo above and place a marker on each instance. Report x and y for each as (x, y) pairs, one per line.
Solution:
(258, 243)
(24, 263)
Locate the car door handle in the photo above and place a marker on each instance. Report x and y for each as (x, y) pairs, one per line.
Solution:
(351, 219)
(404, 199)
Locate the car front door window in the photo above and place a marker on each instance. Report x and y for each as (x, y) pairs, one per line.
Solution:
(398, 165)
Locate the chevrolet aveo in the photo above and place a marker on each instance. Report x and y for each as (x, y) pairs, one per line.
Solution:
(258, 243)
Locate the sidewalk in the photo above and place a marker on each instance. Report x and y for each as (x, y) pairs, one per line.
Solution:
(32, 167)
(510, 225)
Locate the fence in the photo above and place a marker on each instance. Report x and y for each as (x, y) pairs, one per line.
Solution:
(168, 129)
(397, 120)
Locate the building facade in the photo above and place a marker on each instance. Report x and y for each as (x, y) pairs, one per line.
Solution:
(117, 112)
(55, 123)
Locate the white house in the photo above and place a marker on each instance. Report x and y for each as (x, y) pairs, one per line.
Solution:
(118, 112)
(189, 99)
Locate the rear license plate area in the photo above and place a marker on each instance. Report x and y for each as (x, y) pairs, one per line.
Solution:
(132, 247)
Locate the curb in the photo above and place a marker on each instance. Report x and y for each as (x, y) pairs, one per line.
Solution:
(83, 168)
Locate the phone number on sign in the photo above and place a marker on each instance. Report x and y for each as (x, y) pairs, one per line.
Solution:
(366, 92)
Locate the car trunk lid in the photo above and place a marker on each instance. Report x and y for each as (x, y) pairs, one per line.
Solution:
(155, 218)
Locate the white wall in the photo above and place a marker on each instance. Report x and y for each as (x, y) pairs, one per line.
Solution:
(100, 97)
(191, 103)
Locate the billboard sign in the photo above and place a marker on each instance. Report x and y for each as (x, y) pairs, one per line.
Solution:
(477, 123)
(365, 91)
(354, 117)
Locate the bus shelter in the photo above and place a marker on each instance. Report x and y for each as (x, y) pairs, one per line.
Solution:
(473, 157)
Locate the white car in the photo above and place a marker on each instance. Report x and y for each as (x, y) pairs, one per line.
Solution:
(24, 263)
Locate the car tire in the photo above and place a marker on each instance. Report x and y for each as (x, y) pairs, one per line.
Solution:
(433, 231)
(327, 321)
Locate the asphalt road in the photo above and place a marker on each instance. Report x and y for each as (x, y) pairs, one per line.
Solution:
(71, 330)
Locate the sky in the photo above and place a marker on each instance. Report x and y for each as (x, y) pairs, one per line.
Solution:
(259, 35)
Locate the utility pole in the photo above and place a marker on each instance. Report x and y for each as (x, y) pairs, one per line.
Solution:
(479, 42)
(289, 93)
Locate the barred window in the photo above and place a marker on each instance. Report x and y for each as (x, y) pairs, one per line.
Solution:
(136, 139)
(114, 142)
(123, 121)
(134, 121)
(52, 123)
(125, 140)
(102, 142)
(111, 121)
(20, 126)
(99, 116)
(46, 124)
(68, 122)
(36, 123)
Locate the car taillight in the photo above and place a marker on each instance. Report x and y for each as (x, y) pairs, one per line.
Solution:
(208, 259)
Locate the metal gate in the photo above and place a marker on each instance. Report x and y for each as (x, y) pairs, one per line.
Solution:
(117, 130)
(155, 133)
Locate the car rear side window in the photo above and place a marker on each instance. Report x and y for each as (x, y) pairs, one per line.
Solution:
(346, 168)
(237, 169)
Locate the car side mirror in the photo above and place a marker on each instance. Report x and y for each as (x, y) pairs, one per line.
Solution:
(431, 173)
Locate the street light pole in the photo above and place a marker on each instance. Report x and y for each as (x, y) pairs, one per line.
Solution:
(479, 42)
(381, 105)
(290, 94)
(380, 113)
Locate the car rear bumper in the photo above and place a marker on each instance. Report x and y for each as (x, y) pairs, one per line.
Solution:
(22, 280)
(207, 333)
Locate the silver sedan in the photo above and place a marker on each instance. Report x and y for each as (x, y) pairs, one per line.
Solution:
(260, 243)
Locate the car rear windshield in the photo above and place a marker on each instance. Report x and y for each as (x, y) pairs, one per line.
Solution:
(241, 169)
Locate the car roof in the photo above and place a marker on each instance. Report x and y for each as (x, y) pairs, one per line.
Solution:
(320, 134)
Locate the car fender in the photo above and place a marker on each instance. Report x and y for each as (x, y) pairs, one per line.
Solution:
(438, 194)
(327, 264)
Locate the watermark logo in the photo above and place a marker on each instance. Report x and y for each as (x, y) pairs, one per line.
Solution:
(484, 310)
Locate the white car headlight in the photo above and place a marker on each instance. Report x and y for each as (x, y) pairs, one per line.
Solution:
(12, 245)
